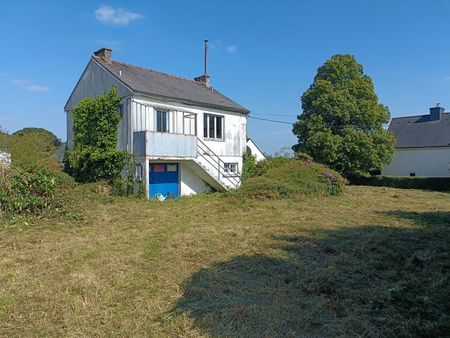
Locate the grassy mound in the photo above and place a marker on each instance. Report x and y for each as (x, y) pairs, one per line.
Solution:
(285, 177)
(32, 145)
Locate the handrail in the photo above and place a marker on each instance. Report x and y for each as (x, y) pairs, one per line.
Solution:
(202, 147)
(220, 168)
(219, 160)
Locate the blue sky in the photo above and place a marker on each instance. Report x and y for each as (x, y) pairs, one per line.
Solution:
(264, 54)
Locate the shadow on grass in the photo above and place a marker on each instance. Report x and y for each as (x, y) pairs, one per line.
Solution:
(369, 281)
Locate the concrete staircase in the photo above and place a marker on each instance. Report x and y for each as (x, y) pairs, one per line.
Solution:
(211, 168)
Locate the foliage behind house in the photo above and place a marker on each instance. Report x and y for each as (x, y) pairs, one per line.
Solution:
(31, 145)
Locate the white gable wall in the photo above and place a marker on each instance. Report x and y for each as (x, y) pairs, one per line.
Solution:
(94, 81)
(424, 162)
(254, 150)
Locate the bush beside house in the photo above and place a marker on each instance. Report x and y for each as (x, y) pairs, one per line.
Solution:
(281, 177)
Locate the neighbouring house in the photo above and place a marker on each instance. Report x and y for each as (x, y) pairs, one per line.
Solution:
(422, 145)
(5, 157)
(253, 149)
(186, 136)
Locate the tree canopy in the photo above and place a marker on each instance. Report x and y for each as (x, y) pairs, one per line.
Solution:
(342, 121)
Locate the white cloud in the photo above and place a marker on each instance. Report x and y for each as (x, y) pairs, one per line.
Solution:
(231, 49)
(37, 88)
(32, 87)
(114, 44)
(5, 118)
(115, 16)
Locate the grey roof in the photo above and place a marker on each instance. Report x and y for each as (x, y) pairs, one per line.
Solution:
(419, 131)
(169, 86)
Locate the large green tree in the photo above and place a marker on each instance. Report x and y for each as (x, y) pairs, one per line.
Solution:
(342, 121)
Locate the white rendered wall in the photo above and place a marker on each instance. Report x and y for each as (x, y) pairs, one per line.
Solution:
(425, 162)
(190, 183)
(259, 156)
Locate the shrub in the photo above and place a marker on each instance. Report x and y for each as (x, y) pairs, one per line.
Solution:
(31, 189)
(264, 188)
(427, 183)
(89, 164)
(248, 166)
(280, 177)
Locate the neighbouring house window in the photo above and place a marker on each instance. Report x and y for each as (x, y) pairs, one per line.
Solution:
(231, 168)
(162, 120)
(213, 126)
(412, 174)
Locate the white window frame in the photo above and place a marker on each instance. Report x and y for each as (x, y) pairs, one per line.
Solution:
(206, 128)
(229, 171)
(167, 112)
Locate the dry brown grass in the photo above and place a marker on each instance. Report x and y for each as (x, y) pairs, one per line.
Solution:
(370, 263)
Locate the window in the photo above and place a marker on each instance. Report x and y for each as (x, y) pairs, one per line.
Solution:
(412, 174)
(213, 126)
(162, 121)
(231, 168)
(139, 172)
(121, 110)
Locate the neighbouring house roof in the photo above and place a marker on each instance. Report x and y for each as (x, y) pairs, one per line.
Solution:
(421, 132)
(159, 84)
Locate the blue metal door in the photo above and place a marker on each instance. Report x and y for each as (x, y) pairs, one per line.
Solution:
(164, 180)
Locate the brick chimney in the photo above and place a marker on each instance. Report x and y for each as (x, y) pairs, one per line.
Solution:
(436, 113)
(204, 79)
(105, 54)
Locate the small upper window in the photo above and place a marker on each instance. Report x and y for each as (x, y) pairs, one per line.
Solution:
(213, 126)
(162, 121)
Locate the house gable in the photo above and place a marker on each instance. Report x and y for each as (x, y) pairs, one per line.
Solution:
(94, 81)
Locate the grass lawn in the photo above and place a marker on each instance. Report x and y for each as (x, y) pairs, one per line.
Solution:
(374, 262)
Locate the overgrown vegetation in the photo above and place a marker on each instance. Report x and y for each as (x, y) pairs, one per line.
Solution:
(95, 155)
(281, 177)
(342, 122)
(33, 185)
(31, 189)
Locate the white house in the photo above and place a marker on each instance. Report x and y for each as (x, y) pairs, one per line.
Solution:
(5, 158)
(253, 149)
(186, 136)
(422, 145)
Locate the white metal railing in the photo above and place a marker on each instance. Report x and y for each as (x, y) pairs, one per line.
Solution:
(216, 164)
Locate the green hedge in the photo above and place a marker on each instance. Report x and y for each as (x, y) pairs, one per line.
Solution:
(427, 183)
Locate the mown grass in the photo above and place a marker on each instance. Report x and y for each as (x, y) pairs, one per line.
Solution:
(374, 262)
